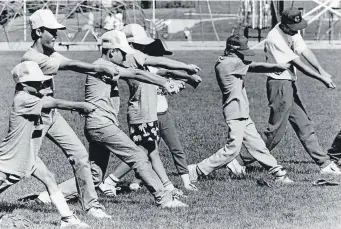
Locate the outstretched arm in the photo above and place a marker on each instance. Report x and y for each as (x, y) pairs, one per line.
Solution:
(87, 68)
(193, 80)
(148, 77)
(311, 58)
(305, 69)
(81, 107)
(171, 64)
(262, 67)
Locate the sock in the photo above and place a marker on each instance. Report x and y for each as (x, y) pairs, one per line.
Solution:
(112, 180)
(168, 185)
(44, 197)
(59, 201)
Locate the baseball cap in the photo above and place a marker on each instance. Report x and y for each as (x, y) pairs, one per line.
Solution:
(116, 39)
(239, 44)
(136, 33)
(157, 48)
(292, 17)
(28, 71)
(44, 18)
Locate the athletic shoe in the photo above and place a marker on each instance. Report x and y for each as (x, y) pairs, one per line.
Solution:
(237, 169)
(191, 187)
(174, 204)
(134, 187)
(192, 172)
(284, 180)
(97, 212)
(177, 193)
(73, 222)
(107, 189)
(332, 168)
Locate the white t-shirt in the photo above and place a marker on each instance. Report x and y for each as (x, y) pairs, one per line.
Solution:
(162, 104)
(109, 22)
(91, 18)
(281, 48)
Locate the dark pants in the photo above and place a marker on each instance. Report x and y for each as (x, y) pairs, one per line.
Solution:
(286, 106)
(335, 151)
(169, 134)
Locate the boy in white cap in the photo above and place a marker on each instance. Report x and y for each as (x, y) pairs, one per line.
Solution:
(284, 44)
(19, 150)
(44, 27)
(101, 127)
(230, 70)
(142, 105)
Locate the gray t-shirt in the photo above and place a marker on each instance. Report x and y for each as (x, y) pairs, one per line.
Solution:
(229, 72)
(105, 97)
(19, 149)
(142, 104)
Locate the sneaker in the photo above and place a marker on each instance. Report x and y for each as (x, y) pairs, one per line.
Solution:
(192, 172)
(108, 189)
(237, 169)
(98, 213)
(177, 193)
(284, 180)
(174, 204)
(191, 187)
(72, 221)
(134, 187)
(332, 168)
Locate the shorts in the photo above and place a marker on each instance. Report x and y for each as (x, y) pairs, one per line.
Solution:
(143, 133)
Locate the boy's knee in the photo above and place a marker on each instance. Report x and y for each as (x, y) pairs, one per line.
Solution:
(80, 158)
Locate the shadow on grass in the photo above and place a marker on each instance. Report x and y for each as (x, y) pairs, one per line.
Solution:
(32, 206)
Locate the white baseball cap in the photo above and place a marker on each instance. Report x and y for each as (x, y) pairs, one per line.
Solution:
(116, 39)
(44, 18)
(136, 33)
(28, 71)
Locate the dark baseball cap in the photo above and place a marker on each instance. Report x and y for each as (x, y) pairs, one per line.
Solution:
(239, 44)
(157, 48)
(292, 17)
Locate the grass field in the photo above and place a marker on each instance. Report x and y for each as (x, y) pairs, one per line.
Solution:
(222, 202)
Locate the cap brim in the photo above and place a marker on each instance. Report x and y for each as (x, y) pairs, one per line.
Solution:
(127, 49)
(299, 26)
(35, 79)
(144, 41)
(55, 26)
(246, 52)
(166, 52)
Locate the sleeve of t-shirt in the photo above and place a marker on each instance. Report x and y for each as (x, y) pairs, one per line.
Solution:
(27, 104)
(280, 51)
(299, 43)
(48, 64)
(241, 67)
(135, 60)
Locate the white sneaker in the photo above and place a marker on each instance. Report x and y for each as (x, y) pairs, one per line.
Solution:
(332, 168)
(107, 189)
(237, 169)
(284, 180)
(134, 187)
(44, 198)
(98, 213)
(74, 222)
(174, 204)
(192, 172)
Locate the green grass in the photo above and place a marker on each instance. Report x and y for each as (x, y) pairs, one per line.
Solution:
(222, 202)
